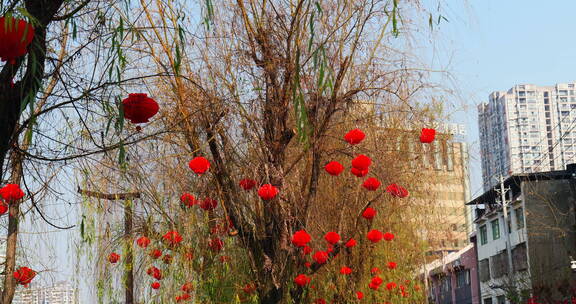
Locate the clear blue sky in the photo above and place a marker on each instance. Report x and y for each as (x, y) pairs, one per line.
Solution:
(491, 45)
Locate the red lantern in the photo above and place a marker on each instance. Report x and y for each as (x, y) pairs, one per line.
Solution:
(301, 280)
(156, 253)
(300, 238)
(114, 258)
(11, 192)
(427, 135)
(354, 136)
(369, 213)
(351, 243)
(16, 35)
(371, 184)
(345, 270)
(143, 242)
(187, 287)
(361, 162)
(24, 275)
(187, 200)
(154, 272)
(172, 238)
(375, 236)
(267, 192)
(332, 237)
(138, 107)
(397, 191)
(334, 168)
(199, 165)
(247, 184)
(321, 257)
(388, 236)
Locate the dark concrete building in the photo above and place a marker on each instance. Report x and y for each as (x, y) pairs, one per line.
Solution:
(542, 231)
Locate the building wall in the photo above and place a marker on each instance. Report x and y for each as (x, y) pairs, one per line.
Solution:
(492, 255)
(551, 234)
(527, 129)
(453, 279)
(59, 293)
(445, 165)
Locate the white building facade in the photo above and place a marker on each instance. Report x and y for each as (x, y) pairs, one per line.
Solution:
(59, 293)
(492, 254)
(527, 129)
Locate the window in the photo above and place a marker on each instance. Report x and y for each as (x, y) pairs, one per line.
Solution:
(462, 278)
(487, 300)
(519, 218)
(501, 300)
(483, 235)
(519, 257)
(495, 229)
(484, 270)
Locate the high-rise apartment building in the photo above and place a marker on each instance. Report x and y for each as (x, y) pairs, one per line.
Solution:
(527, 129)
(59, 293)
(442, 167)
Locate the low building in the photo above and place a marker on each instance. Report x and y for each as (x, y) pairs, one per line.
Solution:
(59, 293)
(454, 278)
(541, 225)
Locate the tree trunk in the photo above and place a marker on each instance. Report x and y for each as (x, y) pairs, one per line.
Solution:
(12, 239)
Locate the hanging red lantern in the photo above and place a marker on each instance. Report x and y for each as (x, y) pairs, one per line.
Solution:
(138, 107)
(187, 200)
(113, 258)
(247, 184)
(11, 192)
(16, 35)
(24, 275)
(369, 213)
(334, 168)
(188, 287)
(267, 192)
(172, 238)
(143, 242)
(199, 165)
(371, 184)
(155, 253)
(361, 162)
(355, 136)
(427, 135)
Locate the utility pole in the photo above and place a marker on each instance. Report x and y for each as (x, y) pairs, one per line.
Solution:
(506, 231)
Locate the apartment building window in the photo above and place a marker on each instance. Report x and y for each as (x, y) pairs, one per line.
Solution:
(487, 300)
(462, 278)
(495, 229)
(483, 235)
(519, 218)
(484, 270)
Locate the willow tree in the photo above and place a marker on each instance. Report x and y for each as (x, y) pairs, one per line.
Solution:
(69, 77)
(263, 89)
